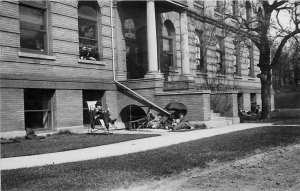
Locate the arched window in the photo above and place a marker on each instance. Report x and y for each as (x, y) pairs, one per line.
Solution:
(168, 35)
(88, 30)
(199, 52)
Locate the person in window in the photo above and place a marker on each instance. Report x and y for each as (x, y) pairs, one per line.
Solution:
(92, 54)
(103, 113)
(83, 52)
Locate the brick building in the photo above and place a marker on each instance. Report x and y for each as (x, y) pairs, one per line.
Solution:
(56, 55)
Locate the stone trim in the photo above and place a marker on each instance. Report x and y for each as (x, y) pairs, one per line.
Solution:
(39, 56)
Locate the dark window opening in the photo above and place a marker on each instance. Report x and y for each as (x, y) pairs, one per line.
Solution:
(235, 9)
(219, 5)
(38, 108)
(248, 11)
(136, 49)
(33, 28)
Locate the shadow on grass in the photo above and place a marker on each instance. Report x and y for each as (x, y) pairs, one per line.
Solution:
(276, 121)
(113, 172)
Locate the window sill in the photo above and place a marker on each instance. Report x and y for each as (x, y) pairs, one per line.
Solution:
(173, 71)
(199, 6)
(101, 63)
(221, 75)
(217, 13)
(238, 77)
(39, 56)
(251, 78)
(201, 74)
(234, 19)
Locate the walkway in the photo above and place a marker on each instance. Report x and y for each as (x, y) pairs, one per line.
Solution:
(166, 139)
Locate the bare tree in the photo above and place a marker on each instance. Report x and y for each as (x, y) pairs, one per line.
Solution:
(260, 21)
(286, 71)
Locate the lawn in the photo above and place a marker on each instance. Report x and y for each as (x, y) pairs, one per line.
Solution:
(287, 100)
(62, 142)
(122, 171)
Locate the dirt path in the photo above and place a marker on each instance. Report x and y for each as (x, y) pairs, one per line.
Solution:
(277, 169)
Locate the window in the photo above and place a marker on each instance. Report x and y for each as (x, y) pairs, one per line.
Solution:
(38, 108)
(219, 58)
(235, 65)
(250, 62)
(248, 11)
(88, 30)
(219, 5)
(168, 35)
(33, 26)
(236, 59)
(235, 8)
(199, 53)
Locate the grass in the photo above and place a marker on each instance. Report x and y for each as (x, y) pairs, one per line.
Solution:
(287, 100)
(123, 171)
(63, 141)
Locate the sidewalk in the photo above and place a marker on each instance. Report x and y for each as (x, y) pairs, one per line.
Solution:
(166, 139)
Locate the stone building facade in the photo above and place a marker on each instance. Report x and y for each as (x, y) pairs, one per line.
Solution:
(56, 55)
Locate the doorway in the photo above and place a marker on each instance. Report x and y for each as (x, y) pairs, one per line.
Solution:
(90, 95)
(136, 50)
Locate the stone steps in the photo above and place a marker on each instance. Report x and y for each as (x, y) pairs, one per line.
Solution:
(217, 121)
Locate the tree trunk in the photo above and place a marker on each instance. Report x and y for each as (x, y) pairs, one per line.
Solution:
(266, 82)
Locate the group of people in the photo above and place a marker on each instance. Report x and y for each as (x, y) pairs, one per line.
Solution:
(88, 53)
(176, 121)
(88, 50)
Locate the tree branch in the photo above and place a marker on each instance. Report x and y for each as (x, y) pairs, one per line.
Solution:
(281, 45)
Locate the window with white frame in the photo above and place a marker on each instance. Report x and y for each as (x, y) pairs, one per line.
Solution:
(88, 30)
(199, 52)
(33, 26)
